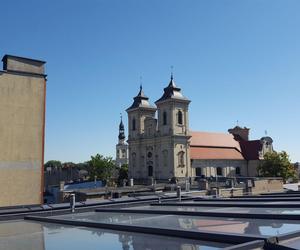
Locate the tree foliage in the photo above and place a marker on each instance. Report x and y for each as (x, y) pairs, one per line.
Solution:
(277, 164)
(101, 167)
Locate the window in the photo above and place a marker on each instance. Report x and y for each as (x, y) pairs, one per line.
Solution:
(164, 118)
(238, 171)
(181, 159)
(150, 171)
(219, 171)
(199, 172)
(179, 118)
(133, 124)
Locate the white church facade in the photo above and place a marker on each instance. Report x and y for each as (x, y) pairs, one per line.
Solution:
(160, 145)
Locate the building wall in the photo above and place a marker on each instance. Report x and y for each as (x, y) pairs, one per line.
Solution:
(209, 167)
(22, 99)
(252, 167)
(157, 148)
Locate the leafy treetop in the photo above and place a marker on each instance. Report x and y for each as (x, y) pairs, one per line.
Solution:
(277, 164)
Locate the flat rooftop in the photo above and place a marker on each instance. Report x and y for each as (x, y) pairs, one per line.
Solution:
(255, 222)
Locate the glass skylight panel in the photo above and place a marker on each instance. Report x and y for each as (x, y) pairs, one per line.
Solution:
(47, 236)
(191, 223)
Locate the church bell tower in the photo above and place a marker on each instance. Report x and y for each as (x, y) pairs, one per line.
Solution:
(173, 129)
(121, 147)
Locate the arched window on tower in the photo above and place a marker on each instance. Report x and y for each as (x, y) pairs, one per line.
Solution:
(164, 118)
(180, 117)
(181, 159)
(133, 124)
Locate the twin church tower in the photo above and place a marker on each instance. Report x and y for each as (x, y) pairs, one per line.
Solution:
(157, 147)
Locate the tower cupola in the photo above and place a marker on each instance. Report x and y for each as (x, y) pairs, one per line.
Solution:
(140, 101)
(172, 92)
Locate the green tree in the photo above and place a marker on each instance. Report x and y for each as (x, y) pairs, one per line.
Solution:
(123, 173)
(52, 164)
(277, 165)
(101, 167)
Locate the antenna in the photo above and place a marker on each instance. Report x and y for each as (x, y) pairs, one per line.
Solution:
(237, 122)
(266, 132)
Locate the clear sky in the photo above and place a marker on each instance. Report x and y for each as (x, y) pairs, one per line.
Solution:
(236, 60)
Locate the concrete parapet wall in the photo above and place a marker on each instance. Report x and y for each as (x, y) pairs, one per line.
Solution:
(266, 186)
(229, 192)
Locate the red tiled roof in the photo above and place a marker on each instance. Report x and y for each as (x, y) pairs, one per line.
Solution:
(214, 140)
(206, 145)
(211, 153)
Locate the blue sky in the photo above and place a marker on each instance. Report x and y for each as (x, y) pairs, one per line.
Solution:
(236, 60)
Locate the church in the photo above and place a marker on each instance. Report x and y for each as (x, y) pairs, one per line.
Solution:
(161, 146)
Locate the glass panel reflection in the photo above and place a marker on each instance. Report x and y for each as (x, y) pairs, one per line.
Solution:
(47, 236)
(192, 223)
(248, 210)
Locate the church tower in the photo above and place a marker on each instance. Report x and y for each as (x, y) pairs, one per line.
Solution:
(173, 130)
(141, 124)
(121, 147)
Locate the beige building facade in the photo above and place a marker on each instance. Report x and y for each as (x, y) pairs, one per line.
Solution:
(159, 147)
(22, 128)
